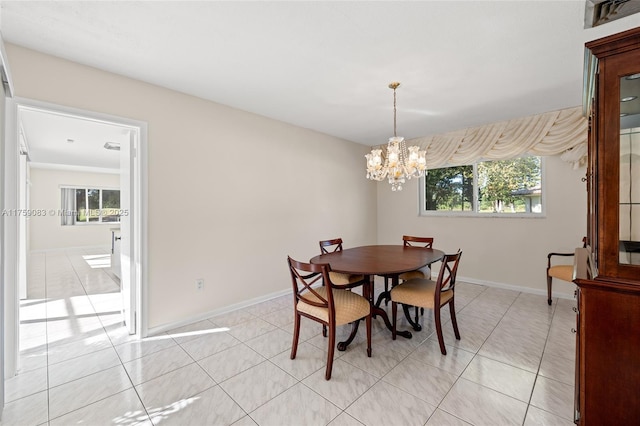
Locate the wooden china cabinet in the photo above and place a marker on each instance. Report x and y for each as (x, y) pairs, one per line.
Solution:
(608, 322)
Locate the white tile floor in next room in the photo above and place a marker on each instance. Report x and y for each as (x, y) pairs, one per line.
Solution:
(513, 366)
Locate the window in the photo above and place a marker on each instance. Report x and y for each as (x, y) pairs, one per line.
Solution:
(509, 187)
(90, 205)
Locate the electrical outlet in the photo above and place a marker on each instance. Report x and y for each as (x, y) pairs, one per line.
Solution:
(199, 284)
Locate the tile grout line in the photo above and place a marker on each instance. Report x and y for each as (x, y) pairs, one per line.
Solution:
(462, 372)
(555, 310)
(117, 354)
(300, 381)
(535, 381)
(477, 354)
(112, 346)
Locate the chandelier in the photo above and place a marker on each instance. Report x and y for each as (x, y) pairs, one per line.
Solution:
(399, 162)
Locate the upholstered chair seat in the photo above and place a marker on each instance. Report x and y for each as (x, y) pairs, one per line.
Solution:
(349, 306)
(562, 272)
(419, 292)
(338, 278)
(418, 273)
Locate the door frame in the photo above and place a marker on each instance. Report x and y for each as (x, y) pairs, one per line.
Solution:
(139, 187)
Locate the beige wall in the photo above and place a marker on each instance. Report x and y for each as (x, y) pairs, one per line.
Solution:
(231, 194)
(499, 251)
(46, 232)
(234, 222)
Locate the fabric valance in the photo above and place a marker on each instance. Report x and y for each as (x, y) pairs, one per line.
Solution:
(556, 132)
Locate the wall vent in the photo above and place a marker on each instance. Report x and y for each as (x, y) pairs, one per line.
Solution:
(599, 12)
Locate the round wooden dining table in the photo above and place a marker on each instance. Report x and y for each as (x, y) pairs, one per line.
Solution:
(383, 260)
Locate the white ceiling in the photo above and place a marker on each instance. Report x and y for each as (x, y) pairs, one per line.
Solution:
(68, 140)
(326, 65)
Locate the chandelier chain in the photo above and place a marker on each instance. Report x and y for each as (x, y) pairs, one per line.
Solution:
(394, 113)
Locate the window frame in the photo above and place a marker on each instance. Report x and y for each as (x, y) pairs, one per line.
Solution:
(100, 208)
(423, 212)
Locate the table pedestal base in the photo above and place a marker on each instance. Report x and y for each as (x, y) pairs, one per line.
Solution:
(342, 346)
(386, 297)
(375, 312)
(407, 314)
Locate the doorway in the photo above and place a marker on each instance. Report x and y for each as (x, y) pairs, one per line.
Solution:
(106, 145)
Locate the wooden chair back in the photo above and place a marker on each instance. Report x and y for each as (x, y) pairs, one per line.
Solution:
(447, 276)
(330, 246)
(411, 241)
(304, 276)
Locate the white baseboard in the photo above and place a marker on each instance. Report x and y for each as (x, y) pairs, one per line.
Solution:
(246, 303)
(528, 290)
(205, 315)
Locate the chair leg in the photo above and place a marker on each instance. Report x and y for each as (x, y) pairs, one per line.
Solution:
(324, 330)
(549, 289)
(394, 315)
(368, 320)
(332, 346)
(436, 314)
(422, 309)
(417, 314)
(452, 311)
(386, 289)
(296, 336)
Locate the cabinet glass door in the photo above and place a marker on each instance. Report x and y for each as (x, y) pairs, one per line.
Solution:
(630, 170)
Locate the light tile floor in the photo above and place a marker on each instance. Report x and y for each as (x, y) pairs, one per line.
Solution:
(513, 366)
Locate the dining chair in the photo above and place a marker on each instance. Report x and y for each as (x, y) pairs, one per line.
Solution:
(317, 298)
(346, 280)
(424, 242)
(413, 241)
(562, 272)
(425, 293)
(425, 272)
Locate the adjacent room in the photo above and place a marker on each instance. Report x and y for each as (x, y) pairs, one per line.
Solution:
(331, 213)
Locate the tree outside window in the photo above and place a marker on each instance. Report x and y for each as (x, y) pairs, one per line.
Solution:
(506, 186)
(450, 189)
